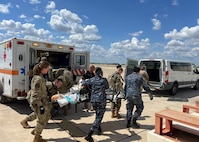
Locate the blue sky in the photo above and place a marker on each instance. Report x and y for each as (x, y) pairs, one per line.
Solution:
(112, 30)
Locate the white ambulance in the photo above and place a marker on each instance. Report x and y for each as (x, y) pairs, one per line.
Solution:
(17, 56)
(167, 74)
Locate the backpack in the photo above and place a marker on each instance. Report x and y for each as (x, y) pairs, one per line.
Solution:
(111, 80)
(59, 72)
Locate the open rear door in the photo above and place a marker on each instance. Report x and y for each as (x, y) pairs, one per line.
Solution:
(130, 64)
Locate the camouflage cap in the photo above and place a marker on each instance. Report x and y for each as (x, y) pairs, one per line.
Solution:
(43, 59)
(60, 78)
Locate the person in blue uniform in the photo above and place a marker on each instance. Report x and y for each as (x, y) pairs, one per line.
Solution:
(98, 85)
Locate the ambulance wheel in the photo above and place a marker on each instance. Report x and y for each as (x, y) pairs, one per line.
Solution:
(196, 87)
(3, 99)
(174, 89)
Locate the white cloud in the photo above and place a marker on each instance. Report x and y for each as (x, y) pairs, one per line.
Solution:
(90, 29)
(184, 33)
(136, 33)
(141, 1)
(17, 6)
(67, 22)
(156, 15)
(86, 17)
(4, 8)
(38, 17)
(69, 16)
(174, 2)
(133, 48)
(183, 43)
(175, 45)
(156, 24)
(50, 6)
(35, 1)
(17, 28)
(22, 16)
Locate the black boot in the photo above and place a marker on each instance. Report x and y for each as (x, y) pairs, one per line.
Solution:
(89, 136)
(135, 124)
(99, 131)
(128, 124)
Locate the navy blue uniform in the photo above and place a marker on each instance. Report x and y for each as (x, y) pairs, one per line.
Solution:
(133, 92)
(98, 86)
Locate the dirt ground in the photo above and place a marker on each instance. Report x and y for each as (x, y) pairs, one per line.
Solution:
(108, 69)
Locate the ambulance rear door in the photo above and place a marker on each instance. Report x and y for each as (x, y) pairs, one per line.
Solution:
(81, 60)
(80, 64)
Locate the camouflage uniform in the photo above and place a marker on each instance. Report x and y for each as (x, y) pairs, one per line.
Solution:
(132, 90)
(52, 89)
(98, 98)
(38, 98)
(67, 81)
(117, 86)
(144, 75)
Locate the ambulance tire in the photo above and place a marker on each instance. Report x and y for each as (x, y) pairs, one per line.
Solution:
(1, 89)
(1, 92)
(2, 98)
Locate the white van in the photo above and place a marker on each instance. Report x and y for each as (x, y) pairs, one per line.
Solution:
(168, 75)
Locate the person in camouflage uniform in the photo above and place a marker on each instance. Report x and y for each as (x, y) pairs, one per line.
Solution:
(144, 74)
(38, 99)
(117, 85)
(133, 83)
(98, 85)
(52, 88)
(67, 80)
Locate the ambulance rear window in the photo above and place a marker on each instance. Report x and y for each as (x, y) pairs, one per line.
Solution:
(80, 59)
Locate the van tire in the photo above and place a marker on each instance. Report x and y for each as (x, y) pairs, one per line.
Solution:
(174, 89)
(196, 87)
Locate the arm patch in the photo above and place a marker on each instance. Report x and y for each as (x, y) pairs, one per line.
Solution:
(37, 85)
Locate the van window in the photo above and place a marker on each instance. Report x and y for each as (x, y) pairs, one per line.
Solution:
(150, 64)
(176, 66)
(194, 68)
(80, 59)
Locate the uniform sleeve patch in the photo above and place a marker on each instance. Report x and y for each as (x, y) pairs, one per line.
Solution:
(37, 85)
